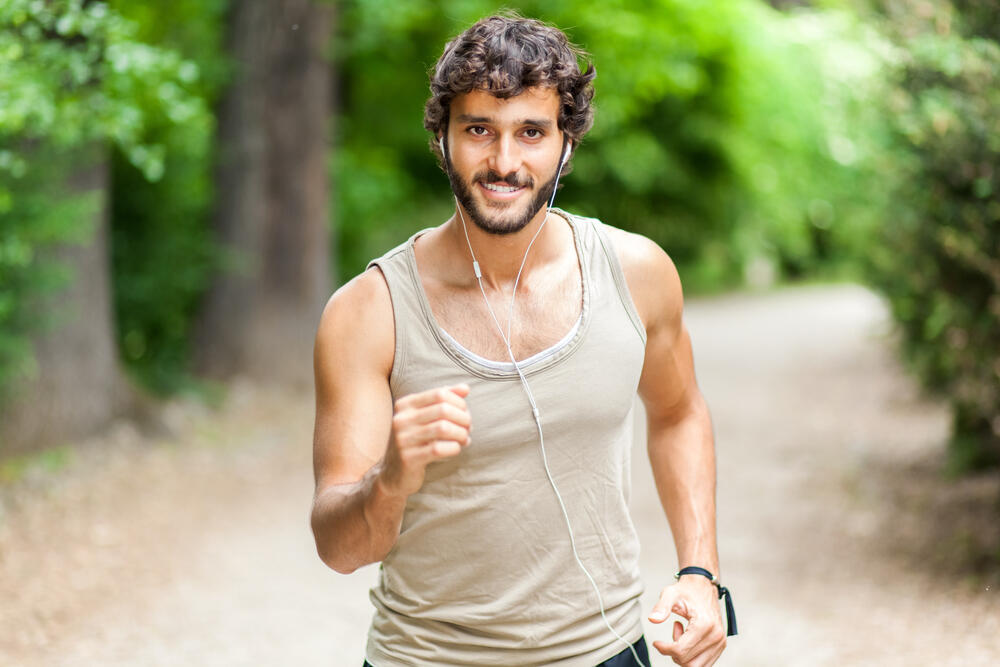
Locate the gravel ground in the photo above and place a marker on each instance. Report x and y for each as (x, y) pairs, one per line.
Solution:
(841, 539)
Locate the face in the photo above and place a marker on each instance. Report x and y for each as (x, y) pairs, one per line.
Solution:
(502, 156)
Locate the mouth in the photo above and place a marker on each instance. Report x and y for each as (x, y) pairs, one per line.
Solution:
(500, 191)
(494, 187)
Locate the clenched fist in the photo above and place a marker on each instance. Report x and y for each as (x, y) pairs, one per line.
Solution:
(426, 427)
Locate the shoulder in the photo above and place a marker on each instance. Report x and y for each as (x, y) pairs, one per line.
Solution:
(653, 281)
(357, 326)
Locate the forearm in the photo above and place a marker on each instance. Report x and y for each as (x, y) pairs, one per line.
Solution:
(682, 455)
(356, 524)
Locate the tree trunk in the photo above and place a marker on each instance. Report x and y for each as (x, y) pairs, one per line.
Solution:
(272, 210)
(79, 385)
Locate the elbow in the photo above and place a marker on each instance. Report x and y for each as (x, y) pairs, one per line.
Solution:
(326, 550)
(334, 560)
(330, 557)
(331, 552)
(339, 568)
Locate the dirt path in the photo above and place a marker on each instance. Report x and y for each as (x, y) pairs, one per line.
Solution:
(840, 538)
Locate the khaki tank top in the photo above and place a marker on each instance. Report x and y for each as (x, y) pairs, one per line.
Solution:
(483, 572)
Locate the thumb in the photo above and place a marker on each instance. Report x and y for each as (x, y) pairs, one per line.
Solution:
(460, 389)
(667, 603)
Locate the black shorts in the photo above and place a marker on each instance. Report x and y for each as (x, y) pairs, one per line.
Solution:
(623, 659)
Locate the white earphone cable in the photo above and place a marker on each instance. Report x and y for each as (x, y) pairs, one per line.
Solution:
(534, 407)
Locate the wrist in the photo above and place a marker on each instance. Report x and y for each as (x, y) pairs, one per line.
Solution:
(697, 573)
(386, 486)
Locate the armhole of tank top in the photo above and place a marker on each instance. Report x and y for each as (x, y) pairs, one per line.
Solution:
(399, 345)
(620, 282)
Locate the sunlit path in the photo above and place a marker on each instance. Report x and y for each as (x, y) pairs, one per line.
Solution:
(833, 519)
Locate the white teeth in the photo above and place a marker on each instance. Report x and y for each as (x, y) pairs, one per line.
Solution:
(499, 188)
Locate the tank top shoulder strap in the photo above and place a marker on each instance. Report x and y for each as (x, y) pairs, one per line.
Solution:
(397, 268)
(605, 264)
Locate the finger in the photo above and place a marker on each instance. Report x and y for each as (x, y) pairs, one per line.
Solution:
(665, 648)
(695, 641)
(709, 657)
(441, 430)
(447, 411)
(668, 648)
(711, 653)
(454, 394)
(434, 451)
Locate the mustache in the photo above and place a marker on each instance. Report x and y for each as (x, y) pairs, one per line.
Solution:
(512, 179)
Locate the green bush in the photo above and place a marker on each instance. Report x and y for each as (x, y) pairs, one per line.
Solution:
(72, 76)
(939, 259)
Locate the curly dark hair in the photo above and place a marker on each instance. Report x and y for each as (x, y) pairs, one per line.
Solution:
(506, 55)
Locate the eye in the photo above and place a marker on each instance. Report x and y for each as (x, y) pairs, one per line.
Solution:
(478, 131)
(533, 133)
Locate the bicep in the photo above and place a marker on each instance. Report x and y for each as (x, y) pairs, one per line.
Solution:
(667, 386)
(352, 361)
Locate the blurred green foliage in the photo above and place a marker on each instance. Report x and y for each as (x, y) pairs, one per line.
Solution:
(753, 145)
(163, 252)
(724, 131)
(939, 253)
(73, 77)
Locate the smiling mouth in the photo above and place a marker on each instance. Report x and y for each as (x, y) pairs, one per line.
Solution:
(495, 187)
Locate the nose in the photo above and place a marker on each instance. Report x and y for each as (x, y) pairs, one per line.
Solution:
(506, 155)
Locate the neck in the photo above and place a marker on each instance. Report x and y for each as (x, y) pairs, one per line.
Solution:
(500, 256)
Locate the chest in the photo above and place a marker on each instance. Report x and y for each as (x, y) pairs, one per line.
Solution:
(543, 313)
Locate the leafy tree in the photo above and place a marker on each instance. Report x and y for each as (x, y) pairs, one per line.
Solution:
(272, 204)
(73, 79)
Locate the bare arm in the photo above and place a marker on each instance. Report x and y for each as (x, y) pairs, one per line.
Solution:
(681, 448)
(369, 454)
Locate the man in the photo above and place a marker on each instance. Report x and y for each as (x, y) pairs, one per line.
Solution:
(474, 394)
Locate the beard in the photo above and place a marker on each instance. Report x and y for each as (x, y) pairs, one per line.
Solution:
(498, 223)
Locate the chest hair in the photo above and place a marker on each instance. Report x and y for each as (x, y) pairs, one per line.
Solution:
(544, 312)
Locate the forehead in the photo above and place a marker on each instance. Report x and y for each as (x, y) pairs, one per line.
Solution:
(539, 102)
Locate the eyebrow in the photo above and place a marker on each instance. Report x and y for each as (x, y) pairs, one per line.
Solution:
(543, 123)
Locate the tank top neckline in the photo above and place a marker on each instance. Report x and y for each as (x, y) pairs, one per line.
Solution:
(537, 362)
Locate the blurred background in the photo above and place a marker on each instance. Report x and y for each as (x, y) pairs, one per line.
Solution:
(184, 183)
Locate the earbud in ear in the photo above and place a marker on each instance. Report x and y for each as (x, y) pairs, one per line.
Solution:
(569, 148)
(441, 144)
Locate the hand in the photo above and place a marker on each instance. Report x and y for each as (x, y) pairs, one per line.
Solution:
(695, 598)
(426, 427)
